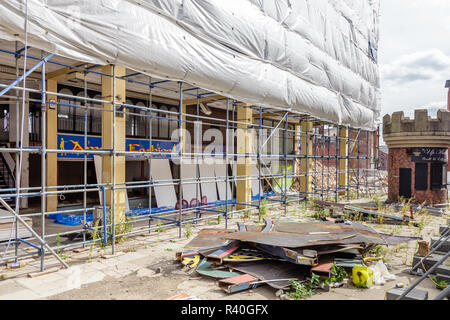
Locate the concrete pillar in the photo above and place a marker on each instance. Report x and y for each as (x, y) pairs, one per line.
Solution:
(244, 146)
(343, 160)
(107, 141)
(307, 129)
(52, 132)
(15, 114)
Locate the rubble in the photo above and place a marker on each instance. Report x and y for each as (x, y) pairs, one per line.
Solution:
(286, 251)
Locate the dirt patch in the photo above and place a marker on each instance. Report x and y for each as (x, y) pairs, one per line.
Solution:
(130, 287)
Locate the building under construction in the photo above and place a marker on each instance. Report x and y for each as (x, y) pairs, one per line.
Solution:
(197, 109)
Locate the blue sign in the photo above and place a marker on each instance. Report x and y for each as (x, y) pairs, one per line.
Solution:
(68, 142)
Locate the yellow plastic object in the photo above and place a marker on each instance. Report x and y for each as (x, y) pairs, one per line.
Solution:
(362, 277)
(191, 262)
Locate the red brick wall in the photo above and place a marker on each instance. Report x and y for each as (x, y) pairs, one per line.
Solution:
(401, 158)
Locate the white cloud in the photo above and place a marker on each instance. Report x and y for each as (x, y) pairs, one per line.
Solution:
(432, 108)
(418, 66)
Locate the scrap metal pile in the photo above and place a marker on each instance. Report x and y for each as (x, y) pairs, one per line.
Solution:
(289, 249)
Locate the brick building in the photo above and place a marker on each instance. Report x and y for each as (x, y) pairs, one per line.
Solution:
(418, 156)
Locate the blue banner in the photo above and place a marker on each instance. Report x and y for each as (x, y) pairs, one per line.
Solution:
(68, 142)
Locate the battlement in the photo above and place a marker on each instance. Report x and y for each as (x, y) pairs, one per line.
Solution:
(398, 123)
(422, 131)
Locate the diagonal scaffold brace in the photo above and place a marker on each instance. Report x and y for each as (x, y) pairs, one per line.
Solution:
(18, 217)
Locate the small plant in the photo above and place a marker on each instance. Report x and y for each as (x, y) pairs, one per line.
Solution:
(169, 249)
(380, 251)
(263, 209)
(377, 202)
(439, 283)
(219, 219)
(95, 236)
(2, 276)
(122, 229)
(188, 230)
(300, 290)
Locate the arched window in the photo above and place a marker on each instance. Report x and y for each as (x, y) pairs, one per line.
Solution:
(65, 112)
(129, 119)
(163, 123)
(173, 124)
(96, 114)
(79, 114)
(155, 122)
(140, 121)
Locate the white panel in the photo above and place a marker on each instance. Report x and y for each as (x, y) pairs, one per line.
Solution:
(256, 183)
(190, 191)
(209, 189)
(165, 195)
(220, 170)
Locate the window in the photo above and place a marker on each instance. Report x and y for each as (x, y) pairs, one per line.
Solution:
(438, 176)
(65, 112)
(163, 123)
(421, 176)
(173, 124)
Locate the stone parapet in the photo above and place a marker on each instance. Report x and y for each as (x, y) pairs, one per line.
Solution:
(422, 131)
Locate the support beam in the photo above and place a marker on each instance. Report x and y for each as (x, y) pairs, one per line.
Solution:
(64, 73)
(306, 150)
(244, 147)
(114, 170)
(15, 117)
(343, 158)
(52, 132)
(210, 98)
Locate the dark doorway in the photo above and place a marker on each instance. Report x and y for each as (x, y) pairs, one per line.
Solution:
(405, 183)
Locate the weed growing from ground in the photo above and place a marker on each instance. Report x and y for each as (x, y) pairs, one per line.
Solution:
(188, 230)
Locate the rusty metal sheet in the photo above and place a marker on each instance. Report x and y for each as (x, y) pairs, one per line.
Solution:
(209, 238)
(268, 270)
(291, 240)
(322, 226)
(206, 241)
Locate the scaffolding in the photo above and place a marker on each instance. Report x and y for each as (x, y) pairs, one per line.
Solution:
(286, 157)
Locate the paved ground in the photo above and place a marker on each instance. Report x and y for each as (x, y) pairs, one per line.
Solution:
(145, 268)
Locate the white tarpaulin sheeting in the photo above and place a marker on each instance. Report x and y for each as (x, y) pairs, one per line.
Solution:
(316, 57)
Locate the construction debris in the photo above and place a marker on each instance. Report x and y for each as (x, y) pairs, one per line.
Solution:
(287, 251)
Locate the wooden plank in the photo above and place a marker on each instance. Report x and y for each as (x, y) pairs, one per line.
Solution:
(37, 274)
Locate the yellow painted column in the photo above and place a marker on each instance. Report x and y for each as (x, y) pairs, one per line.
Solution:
(107, 141)
(306, 150)
(244, 146)
(343, 162)
(52, 133)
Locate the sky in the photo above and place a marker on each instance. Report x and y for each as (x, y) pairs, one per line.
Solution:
(414, 55)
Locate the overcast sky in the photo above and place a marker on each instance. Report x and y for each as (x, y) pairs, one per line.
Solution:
(414, 54)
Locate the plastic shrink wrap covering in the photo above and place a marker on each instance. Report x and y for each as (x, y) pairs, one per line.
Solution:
(316, 57)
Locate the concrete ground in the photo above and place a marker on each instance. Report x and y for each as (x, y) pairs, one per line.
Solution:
(145, 268)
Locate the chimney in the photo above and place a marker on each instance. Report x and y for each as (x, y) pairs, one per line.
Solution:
(447, 85)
